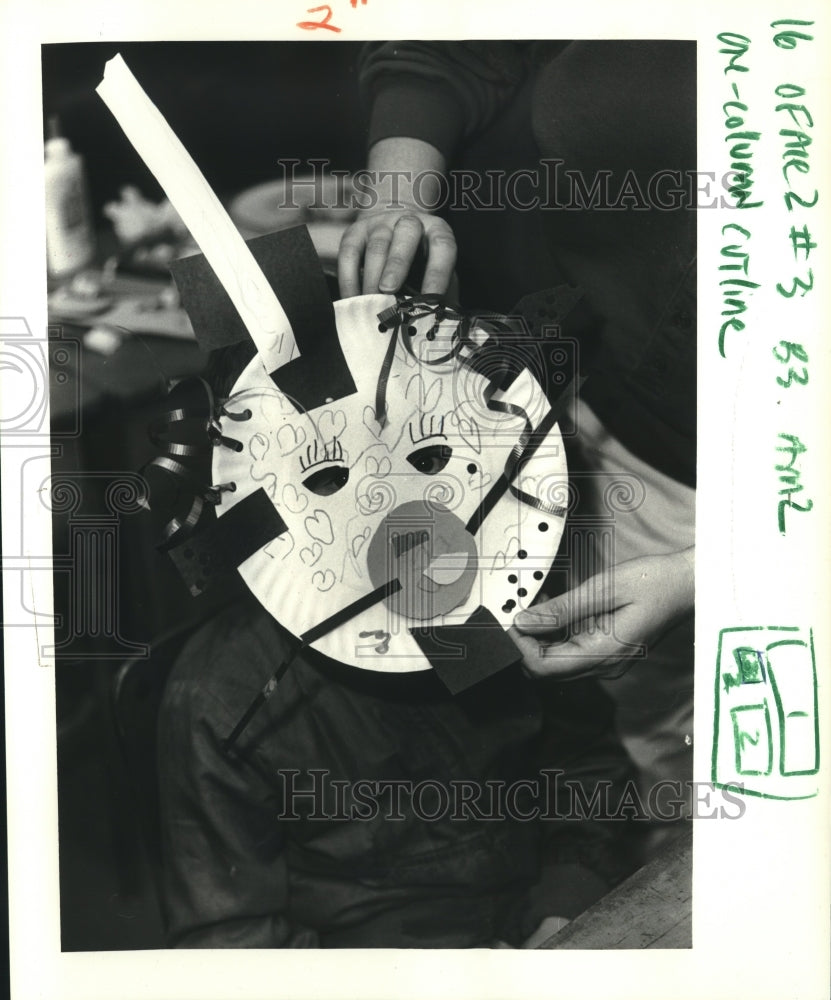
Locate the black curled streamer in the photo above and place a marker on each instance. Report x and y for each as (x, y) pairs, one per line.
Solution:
(529, 440)
(188, 432)
(400, 318)
(410, 308)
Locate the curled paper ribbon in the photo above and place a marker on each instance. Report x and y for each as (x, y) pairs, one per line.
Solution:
(188, 432)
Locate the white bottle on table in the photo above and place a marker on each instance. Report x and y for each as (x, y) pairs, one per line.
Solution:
(70, 243)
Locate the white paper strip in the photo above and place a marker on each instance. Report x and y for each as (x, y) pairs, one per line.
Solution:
(201, 211)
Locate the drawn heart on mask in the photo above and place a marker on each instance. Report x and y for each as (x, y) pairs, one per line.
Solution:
(468, 431)
(371, 423)
(270, 408)
(427, 399)
(330, 425)
(319, 526)
(269, 480)
(479, 480)
(360, 540)
(271, 485)
(312, 554)
(324, 580)
(529, 484)
(290, 438)
(376, 468)
(258, 446)
(294, 501)
(501, 559)
(283, 546)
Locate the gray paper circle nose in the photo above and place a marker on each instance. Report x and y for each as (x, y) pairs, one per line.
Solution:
(427, 549)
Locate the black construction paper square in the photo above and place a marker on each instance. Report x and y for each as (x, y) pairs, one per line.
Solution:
(229, 541)
(482, 645)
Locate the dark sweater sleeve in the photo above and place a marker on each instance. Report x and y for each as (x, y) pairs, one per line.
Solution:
(440, 92)
(225, 874)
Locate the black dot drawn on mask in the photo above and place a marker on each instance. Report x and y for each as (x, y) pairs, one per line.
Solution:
(472, 468)
(508, 606)
(542, 526)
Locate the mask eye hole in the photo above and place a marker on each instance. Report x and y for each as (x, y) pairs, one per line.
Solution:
(327, 481)
(431, 459)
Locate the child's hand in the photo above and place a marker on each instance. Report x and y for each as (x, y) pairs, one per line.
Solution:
(597, 628)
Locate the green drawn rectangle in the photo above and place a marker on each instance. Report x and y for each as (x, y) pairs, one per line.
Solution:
(749, 662)
(748, 733)
(723, 636)
(814, 769)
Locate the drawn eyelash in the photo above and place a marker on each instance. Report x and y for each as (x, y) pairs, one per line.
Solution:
(428, 426)
(315, 455)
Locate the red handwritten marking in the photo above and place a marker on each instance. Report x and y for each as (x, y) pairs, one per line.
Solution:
(313, 25)
(354, 3)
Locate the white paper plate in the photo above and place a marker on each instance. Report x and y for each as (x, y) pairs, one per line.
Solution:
(323, 563)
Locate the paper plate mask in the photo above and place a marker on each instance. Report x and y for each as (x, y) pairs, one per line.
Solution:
(389, 479)
(412, 478)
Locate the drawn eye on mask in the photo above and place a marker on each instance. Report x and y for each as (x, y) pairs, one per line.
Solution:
(325, 482)
(431, 452)
(329, 474)
(431, 459)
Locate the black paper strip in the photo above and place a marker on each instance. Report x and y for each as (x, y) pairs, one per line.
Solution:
(260, 699)
(228, 541)
(518, 457)
(314, 633)
(355, 608)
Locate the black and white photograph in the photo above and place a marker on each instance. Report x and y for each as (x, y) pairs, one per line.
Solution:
(364, 420)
